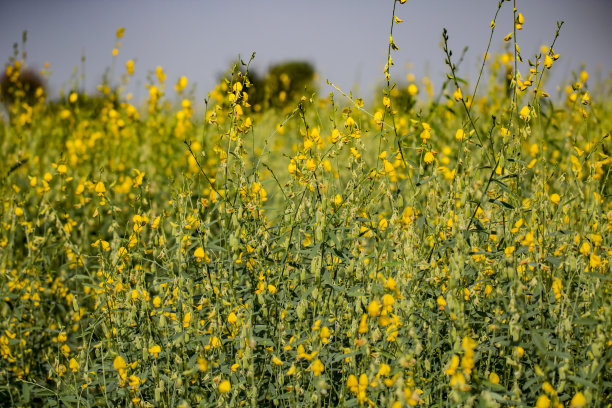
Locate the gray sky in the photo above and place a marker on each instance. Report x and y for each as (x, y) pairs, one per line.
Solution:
(345, 39)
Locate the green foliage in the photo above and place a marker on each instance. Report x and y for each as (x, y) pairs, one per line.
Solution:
(287, 82)
(280, 88)
(329, 256)
(22, 88)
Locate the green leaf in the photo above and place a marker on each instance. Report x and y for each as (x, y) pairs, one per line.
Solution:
(502, 203)
(599, 276)
(581, 381)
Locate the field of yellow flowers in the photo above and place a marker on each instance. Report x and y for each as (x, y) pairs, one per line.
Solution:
(435, 248)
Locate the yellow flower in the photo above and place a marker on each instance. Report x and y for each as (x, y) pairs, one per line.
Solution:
(352, 383)
(543, 402)
(392, 43)
(408, 216)
(452, 367)
(374, 308)
(388, 300)
(429, 158)
(426, 133)
(201, 255)
(181, 84)
(384, 370)
(548, 61)
(335, 135)
(225, 386)
(460, 135)
(494, 378)
(317, 367)
(161, 76)
(363, 324)
(292, 167)
(202, 364)
(199, 252)
(441, 302)
(325, 333)
(232, 318)
(157, 301)
(337, 200)
(134, 380)
(61, 369)
(388, 166)
(585, 99)
(555, 198)
(120, 32)
(525, 113)
(585, 248)
(383, 224)
(155, 350)
(548, 388)
(311, 164)
(557, 287)
(100, 188)
(457, 94)
(363, 381)
(119, 363)
(457, 381)
(594, 261)
(578, 401)
(277, 361)
(74, 365)
(386, 102)
(467, 344)
(129, 66)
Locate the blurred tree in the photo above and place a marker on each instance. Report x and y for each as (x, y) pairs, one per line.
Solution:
(282, 85)
(18, 84)
(288, 81)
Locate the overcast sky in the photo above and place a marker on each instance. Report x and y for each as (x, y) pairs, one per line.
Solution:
(346, 40)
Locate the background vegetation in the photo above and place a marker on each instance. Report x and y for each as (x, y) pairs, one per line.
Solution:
(441, 247)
